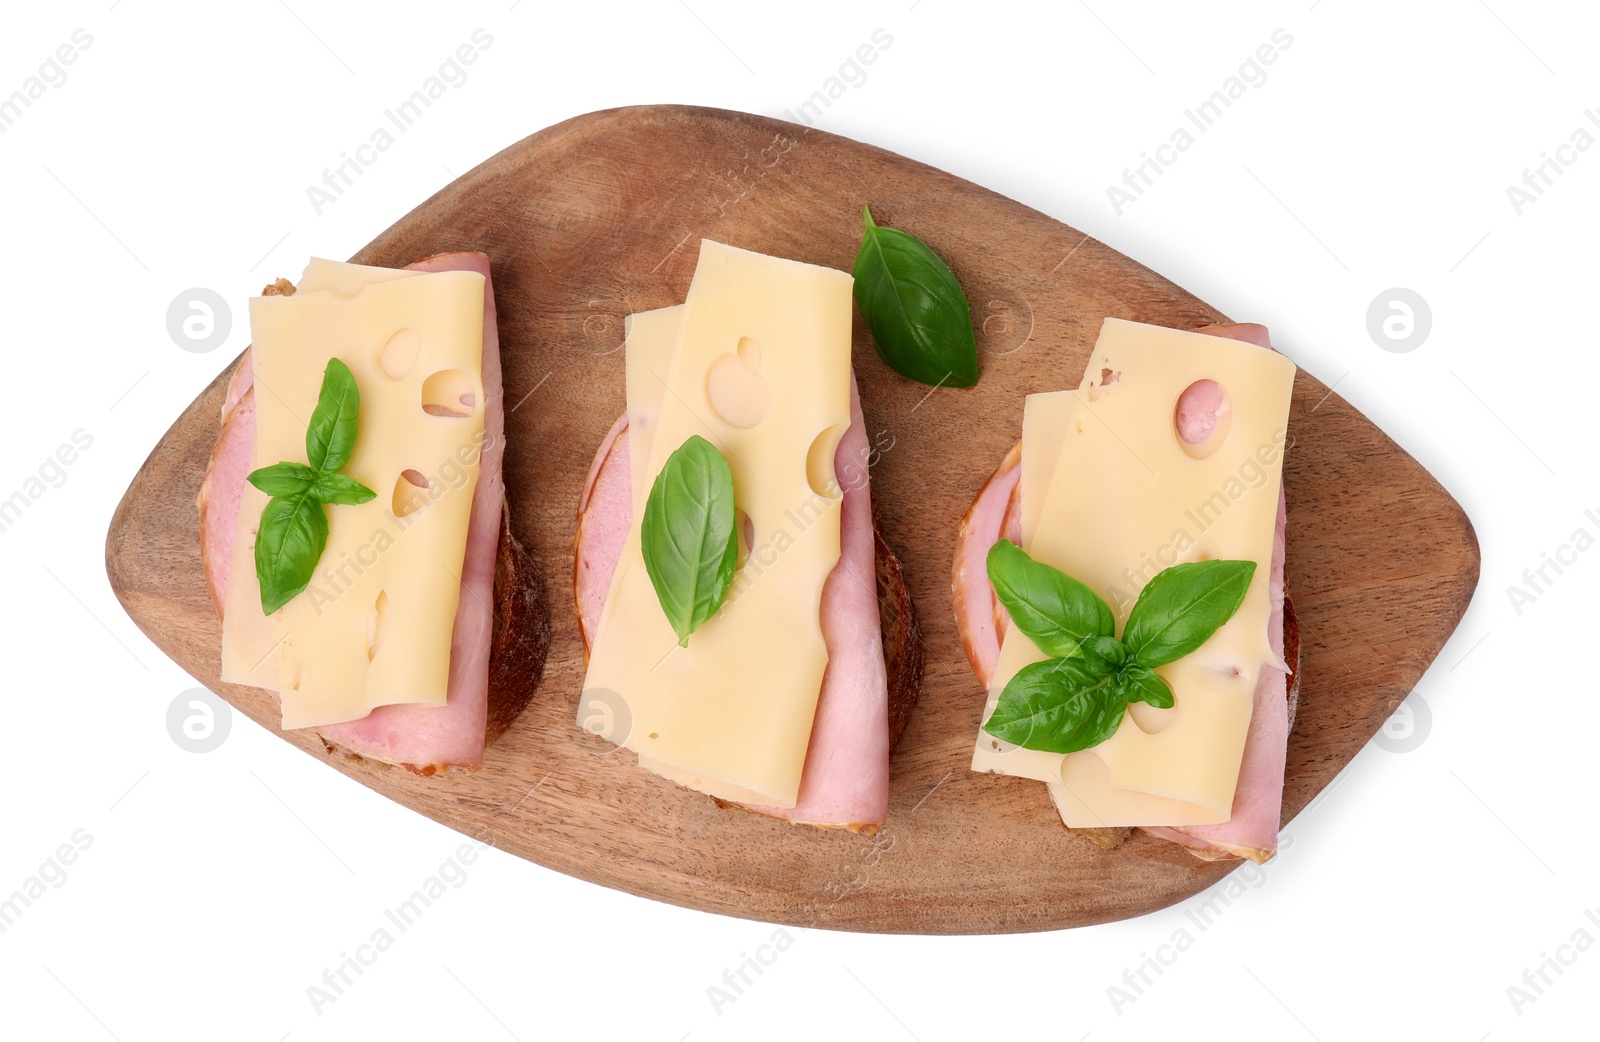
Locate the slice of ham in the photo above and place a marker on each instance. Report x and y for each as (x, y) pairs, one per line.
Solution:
(605, 513)
(223, 487)
(845, 780)
(425, 739)
(978, 613)
(239, 385)
(1252, 829)
(454, 733)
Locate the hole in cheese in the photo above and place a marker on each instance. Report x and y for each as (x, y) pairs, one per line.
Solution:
(449, 392)
(378, 625)
(819, 462)
(410, 493)
(747, 535)
(397, 357)
(737, 393)
(1148, 718)
(1201, 418)
(749, 353)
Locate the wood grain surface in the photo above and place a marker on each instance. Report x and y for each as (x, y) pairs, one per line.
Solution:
(601, 216)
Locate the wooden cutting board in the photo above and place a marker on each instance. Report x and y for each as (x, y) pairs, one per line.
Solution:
(601, 216)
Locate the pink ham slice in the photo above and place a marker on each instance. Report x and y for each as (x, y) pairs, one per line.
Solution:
(1252, 830)
(605, 513)
(224, 486)
(239, 385)
(978, 614)
(424, 739)
(845, 781)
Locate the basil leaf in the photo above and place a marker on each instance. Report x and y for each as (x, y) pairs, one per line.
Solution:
(1183, 606)
(687, 535)
(331, 437)
(1054, 610)
(1138, 683)
(911, 301)
(336, 488)
(282, 479)
(290, 541)
(1058, 706)
(294, 526)
(1104, 654)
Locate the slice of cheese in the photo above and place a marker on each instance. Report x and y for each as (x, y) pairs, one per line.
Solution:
(757, 361)
(650, 340)
(652, 337)
(344, 279)
(1045, 419)
(375, 625)
(1111, 495)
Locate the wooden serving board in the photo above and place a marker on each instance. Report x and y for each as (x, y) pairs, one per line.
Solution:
(601, 216)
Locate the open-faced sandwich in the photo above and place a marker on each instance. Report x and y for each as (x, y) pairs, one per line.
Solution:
(748, 631)
(353, 520)
(1119, 586)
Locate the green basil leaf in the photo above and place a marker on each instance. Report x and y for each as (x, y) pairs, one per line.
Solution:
(336, 488)
(294, 525)
(1141, 684)
(283, 479)
(1058, 706)
(918, 315)
(331, 437)
(1054, 610)
(290, 541)
(687, 535)
(1104, 654)
(1183, 606)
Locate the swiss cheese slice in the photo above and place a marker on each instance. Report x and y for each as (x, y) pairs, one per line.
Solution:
(1111, 495)
(376, 623)
(652, 337)
(757, 361)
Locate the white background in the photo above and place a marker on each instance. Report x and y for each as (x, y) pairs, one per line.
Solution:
(1376, 154)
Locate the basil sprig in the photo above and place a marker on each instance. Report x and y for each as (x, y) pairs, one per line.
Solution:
(1076, 699)
(918, 315)
(687, 535)
(294, 524)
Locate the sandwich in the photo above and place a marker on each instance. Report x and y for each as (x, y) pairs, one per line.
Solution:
(1165, 462)
(743, 447)
(353, 520)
